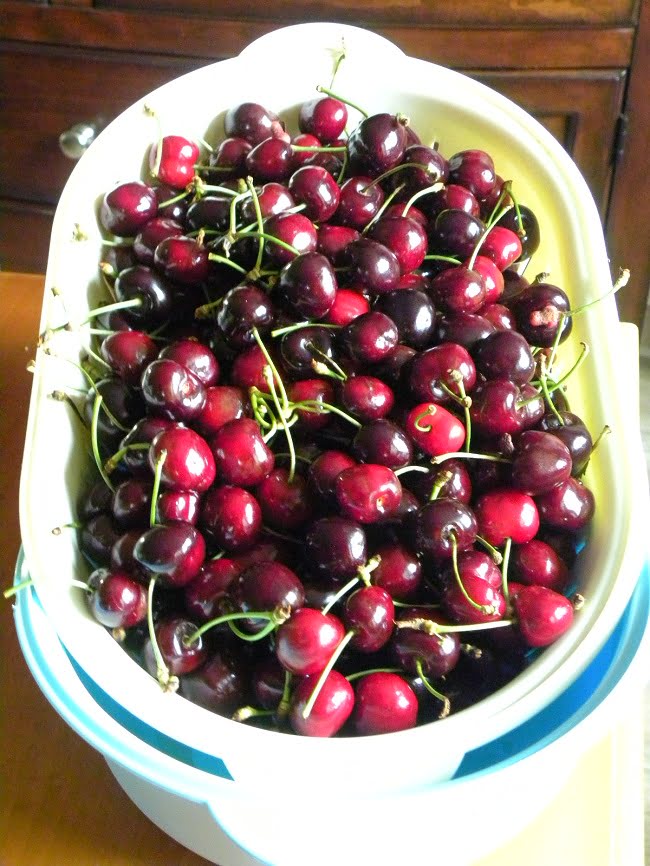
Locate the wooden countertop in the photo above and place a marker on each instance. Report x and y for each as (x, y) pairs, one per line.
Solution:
(59, 803)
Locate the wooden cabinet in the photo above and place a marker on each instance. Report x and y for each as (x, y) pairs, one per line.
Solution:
(580, 67)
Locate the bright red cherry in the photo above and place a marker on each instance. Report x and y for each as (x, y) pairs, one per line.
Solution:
(506, 513)
(434, 429)
(384, 703)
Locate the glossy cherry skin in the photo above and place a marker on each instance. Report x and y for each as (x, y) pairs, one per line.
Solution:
(543, 615)
(132, 502)
(241, 455)
(473, 169)
(399, 571)
(413, 313)
(348, 304)
(405, 237)
(230, 154)
(572, 431)
(152, 290)
(504, 355)
(204, 596)
(426, 166)
(487, 601)
(173, 160)
(492, 277)
(570, 505)
(117, 600)
(495, 407)
(295, 230)
(223, 403)
(272, 198)
(314, 187)
(540, 310)
(270, 160)
(366, 397)
(308, 285)
(384, 703)
(502, 246)
(360, 200)
(151, 234)
(370, 613)
(458, 290)
(171, 390)
(251, 121)
(437, 366)
(182, 259)
(335, 548)
(324, 116)
(370, 338)
(383, 442)
(540, 461)
(377, 143)
(127, 208)
(178, 506)
(372, 265)
(143, 431)
(221, 684)
(451, 478)
(188, 463)
(440, 525)
(433, 654)
(244, 308)
(306, 641)
(455, 233)
(181, 657)
(368, 492)
(323, 472)
(304, 349)
(434, 429)
(266, 586)
(231, 518)
(124, 404)
(173, 553)
(536, 562)
(310, 417)
(129, 353)
(196, 356)
(285, 502)
(331, 708)
(506, 513)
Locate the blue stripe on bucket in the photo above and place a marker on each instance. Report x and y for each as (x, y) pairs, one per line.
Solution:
(156, 739)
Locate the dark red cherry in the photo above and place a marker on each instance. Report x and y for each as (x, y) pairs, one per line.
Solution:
(368, 492)
(270, 160)
(570, 505)
(330, 710)
(97, 537)
(306, 641)
(293, 229)
(266, 586)
(119, 410)
(480, 599)
(308, 285)
(169, 204)
(506, 513)
(242, 456)
(335, 548)
(182, 259)
(571, 430)
(128, 353)
(384, 703)
(230, 157)
(540, 311)
(377, 143)
(252, 122)
(431, 374)
(366, 397)
(541, 460)
(323, 472)
(399, 571)
(285, 502)
(458, 290)
(180, 656)
(171, 390)
(413, 313)
(178, 506)
(492, 277)
(404, 237)
(188, 462)
(384, 442)
(370, 613)
(543, 615)
(324, 116)
(220, 684)
(455, 233)
(243, 309)
(536, 562)
(495, 407)
(426, 166)
(466, 329)
(372, 265)
(172, 160)
(500, 316)
(132, 502)
(370, 338)
(417, 651)
(196, 356)
(314, 187)
(304, 349)
(143, 432)
(451, 197)
(504, 355)
(205, 594)
(174, 553)
(117, 600)
(525, 224)
(151, 234)
(360, 201)
(223, 403)
(473, 169)
(153, 292)
(231, 518)
(310, 417)
(127, 208)
(272, 198)
(441, 525)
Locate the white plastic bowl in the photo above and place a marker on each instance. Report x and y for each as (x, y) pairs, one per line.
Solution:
(281, 70)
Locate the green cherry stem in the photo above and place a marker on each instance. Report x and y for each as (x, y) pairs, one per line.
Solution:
(168, 683)
(358, 674)
(339, 595)
(269, 375)
(470, 455)
(97, 405)
(260, 224)
(328, 407)
(277, 617)
(404, 469)
(435, 187)
(328, 92)
(496, 554)
(440, 480)
(504, 571)
(309, 706)
(487, 609)
(160, 462)
(297, 326)
(386, 203)
(111, 464)
(446, 703)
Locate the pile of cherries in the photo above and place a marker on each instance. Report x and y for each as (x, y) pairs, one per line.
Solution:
(340, 481)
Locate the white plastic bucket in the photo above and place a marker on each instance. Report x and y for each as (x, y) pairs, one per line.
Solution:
(460, 113)
(186, 795)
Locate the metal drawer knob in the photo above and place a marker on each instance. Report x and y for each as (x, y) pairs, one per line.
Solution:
(76, 140)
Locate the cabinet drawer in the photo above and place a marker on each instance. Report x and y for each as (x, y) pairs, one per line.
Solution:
(43, 92)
